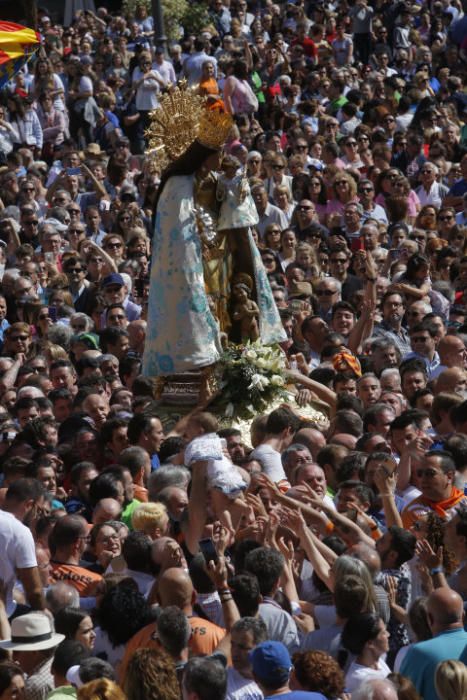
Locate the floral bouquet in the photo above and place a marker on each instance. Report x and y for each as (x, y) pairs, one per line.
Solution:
(250, 378)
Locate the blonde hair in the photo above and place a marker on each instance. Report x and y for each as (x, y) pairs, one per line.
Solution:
(100, 689)
(149, 516)
(451, 680)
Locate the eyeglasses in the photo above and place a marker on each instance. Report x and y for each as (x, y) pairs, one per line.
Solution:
(278, 167)
(31, 223)
(113, 245)
(268, 260)
(71, 270)
(304, 208)
(326, 292)
(429, 473)
(338, 261)
(366, 189)
(341, 182)
(27, 189)
(254, 160)
(316, 183)
(427, 171)
(119, 317)
(302, 148)
(362, 138)
(76, 231)
(74, 211)
(351, 143)
(17, 338)
(39, 369)
(446, 218)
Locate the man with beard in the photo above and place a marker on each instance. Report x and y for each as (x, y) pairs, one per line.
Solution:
(393, 305)
(25, 500)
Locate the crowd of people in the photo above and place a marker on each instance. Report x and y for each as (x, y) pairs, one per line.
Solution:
(340, 570)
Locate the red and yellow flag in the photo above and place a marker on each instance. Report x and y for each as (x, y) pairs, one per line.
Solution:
(17, 45)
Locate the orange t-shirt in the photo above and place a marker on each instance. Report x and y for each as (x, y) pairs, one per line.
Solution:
(141, 493)
(83, 580)
(205, 638)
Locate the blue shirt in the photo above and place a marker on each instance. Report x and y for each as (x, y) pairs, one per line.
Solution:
(422, 659)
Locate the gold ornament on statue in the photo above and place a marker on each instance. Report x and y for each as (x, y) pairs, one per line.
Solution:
(174, 124)
(182, 118)
(214, 128)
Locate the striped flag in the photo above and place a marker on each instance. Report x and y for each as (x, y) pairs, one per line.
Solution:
(17, 45)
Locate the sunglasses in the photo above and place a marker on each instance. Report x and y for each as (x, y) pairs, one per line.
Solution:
(31, 223)
(326, 292)
(113, 245)
(74, 269)
(446, 218)
(119, 317)
(16, 338)
(278, 167)
(305, 209)
(268, 260)
(366, 189)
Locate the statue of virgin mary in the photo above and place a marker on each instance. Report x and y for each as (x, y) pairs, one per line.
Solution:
(191, 267)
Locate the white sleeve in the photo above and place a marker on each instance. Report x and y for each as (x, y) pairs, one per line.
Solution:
(25, 552)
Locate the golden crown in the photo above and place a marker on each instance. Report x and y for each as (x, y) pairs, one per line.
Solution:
(180, 119)
(214, 128)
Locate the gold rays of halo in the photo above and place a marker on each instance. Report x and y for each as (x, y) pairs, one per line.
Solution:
(180, 119)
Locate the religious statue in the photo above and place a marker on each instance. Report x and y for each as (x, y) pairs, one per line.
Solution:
(245, 312)
(193, 260)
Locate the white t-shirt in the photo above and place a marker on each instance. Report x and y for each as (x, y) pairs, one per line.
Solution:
(241, 688)
(17, 552)
(270, 461)
(358, 674)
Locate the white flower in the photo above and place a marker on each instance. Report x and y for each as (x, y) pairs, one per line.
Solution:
(229, 410)
(250, 355)
(276, 380)
(258, 381)
(261, 364)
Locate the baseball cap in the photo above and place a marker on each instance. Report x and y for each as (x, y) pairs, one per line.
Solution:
(114, 278)
(271, 662)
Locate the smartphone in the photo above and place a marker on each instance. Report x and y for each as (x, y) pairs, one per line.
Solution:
(49, 258)
(73, 171)
(356, 244)
(388, 465)
(52, 311)
(208, 550)
(394, 253)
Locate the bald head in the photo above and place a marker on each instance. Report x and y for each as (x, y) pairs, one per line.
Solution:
(369, 556)
(311, 438)
(445, 610)
(106, 509)
(344, 439)
(174, 587)
(452, 379)
(452, 352)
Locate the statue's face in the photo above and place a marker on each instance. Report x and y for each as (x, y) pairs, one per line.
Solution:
(213, 161)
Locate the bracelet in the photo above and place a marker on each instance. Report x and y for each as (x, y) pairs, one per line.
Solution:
(226, 599)
(436, 570)
(224, 591)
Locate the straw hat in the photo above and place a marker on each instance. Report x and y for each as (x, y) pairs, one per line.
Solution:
(32, 632)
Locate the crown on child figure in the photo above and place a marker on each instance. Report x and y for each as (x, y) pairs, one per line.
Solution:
(181, 119)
